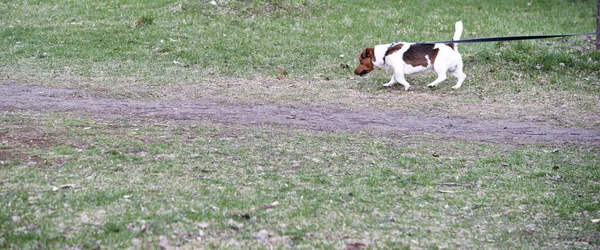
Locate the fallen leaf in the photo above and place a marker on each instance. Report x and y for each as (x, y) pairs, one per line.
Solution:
(136, 242)
(204, 224)
(262, 235)
(176, 8)
(282, 70)
(137, 24)
(447, 192)
(180, 64)
(447, 184)
(355, 246)
(529, 229)
(84, 218)
(556, 178)
(164, 243)
(595, 220)
(242, 215)
(67, 186)
(235, 225)
(280, 77)
(271, 205)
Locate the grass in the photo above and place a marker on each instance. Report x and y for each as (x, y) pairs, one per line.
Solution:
(135, 183)
(70, 181)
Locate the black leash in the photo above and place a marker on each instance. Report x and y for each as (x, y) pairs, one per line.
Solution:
(509, 38)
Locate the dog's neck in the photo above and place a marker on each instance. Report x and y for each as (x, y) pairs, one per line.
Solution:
(380, 51)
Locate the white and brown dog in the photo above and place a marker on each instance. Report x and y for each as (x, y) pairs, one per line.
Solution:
(409, 58)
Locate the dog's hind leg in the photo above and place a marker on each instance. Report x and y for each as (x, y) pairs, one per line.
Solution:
(458, 73)
(441, 77)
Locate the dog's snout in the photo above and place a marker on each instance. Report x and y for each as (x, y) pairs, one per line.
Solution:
(361, 72)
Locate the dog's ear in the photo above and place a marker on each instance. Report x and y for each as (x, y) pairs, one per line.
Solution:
(368, 53)
(371, 53)
(362, 55)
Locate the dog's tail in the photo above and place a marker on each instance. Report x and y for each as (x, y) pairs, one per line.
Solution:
(458, 26)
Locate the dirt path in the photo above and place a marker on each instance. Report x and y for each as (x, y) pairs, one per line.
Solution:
(20, 97)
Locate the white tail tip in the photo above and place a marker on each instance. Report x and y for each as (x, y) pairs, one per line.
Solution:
(458, 26)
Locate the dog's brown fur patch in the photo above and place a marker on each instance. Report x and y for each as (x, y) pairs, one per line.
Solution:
(416, 55)
(394, 48)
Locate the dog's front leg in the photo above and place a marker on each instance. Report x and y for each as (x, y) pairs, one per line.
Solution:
(391, 82)
(398, 76)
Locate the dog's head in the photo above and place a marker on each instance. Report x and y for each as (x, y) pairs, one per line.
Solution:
(366, 62)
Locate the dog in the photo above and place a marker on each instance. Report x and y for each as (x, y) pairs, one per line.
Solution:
(409, 58)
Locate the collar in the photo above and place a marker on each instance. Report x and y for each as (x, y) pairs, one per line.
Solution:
(388, 49)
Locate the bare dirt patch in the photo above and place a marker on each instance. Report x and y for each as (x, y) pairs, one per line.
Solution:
(20, 97)
(23, 140)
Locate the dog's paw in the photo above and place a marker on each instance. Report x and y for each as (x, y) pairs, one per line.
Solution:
(389, 84)
(407, 88)
(455, 87)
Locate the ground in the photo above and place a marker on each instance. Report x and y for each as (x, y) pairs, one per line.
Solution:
(79, 102)
(240, 125)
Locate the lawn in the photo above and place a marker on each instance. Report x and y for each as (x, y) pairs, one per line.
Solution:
(75, 179)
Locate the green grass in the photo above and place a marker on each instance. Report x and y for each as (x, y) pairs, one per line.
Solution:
(238, 38)
(67, 181)
(128, 185)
